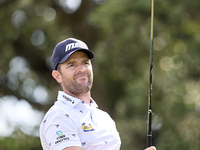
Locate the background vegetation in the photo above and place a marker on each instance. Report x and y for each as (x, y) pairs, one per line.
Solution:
(118, 32)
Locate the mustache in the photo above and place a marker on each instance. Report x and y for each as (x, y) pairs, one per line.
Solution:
(81, 74)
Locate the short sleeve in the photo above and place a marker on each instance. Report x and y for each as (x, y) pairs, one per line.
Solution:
(60, 131)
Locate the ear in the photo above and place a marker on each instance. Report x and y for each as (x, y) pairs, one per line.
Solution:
(56, 74)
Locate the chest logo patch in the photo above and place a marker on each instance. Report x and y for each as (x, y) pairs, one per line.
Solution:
(87, 128)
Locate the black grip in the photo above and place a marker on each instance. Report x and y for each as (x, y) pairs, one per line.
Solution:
(149, 139)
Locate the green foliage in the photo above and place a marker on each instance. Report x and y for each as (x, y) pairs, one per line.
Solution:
(20, 141)
(118, 32)
(125, 41)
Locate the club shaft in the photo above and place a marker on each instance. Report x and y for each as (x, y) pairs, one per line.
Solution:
(149, 121)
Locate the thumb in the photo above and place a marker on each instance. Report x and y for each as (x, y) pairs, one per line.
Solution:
(151, 148)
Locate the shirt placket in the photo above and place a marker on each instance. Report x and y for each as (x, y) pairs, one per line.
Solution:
(93, 117)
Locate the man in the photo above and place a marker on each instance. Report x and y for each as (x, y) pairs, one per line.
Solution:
(74, 122)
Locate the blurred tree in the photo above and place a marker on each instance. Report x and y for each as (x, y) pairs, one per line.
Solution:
(125, 41)
(29, 31)
(118, 32)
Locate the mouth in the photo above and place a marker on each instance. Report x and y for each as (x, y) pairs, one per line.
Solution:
(81, 76)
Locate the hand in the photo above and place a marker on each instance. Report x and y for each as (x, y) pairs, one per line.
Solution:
(151, 148)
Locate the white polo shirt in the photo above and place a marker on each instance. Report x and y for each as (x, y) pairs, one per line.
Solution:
(72, 122)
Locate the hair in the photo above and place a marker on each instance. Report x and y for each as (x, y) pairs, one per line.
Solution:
(58, 68)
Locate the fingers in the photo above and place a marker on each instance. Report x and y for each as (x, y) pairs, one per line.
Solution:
(151, 148)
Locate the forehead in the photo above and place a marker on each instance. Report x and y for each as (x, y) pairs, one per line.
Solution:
(79, 54)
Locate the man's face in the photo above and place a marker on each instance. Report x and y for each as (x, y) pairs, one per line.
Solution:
(76, 74)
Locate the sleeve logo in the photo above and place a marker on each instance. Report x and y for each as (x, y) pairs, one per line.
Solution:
(60, 137)
(59, 133)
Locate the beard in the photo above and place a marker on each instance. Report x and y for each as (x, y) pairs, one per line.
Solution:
(76, 88)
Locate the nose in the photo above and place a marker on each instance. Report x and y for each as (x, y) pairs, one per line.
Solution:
(81, 68)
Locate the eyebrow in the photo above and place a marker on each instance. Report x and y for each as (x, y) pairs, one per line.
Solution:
(73, 61)
(87, 59)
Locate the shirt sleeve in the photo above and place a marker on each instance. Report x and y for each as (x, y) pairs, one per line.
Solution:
(60, 131)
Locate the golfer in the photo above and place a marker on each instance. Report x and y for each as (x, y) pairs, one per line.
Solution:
(74, 122)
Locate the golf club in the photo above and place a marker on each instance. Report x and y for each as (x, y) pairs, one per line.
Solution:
(149, 121)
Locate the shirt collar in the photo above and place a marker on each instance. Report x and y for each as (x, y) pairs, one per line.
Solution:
(72, 101)
(93, 103)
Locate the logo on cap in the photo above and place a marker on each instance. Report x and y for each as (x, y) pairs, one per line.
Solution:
(74, 45)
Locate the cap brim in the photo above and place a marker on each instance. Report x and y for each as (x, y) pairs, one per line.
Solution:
(88, 52)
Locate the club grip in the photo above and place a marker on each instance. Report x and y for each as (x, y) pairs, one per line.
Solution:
(149, 139)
